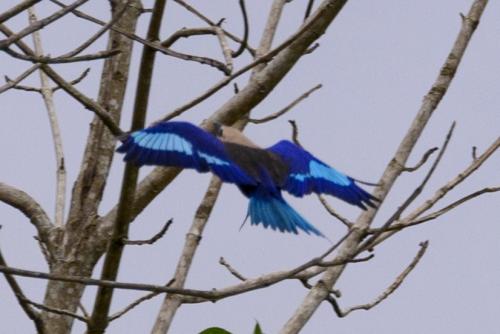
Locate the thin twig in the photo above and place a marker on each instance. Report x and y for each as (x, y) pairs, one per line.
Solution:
(244, 42)
(295, 132)
(84, 310)
(310, 5)
(233, 271)
(396, 284)
(56, 311)
(133, 305)
(474, 153)
(287, 108)
(152, 240)
(63, 60)
(185, 33)
(11, 83)
(337, 262)
(75, 81)
(422, 161)
(334, 213)
(53, 89)
(212, 23)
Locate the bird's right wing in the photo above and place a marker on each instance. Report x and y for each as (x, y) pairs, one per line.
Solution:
(182, 144)
(307, 174)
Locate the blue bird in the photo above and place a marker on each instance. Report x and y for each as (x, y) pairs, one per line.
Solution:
(260, 174)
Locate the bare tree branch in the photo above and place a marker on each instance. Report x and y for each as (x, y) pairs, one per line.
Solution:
(267, 37)
(246, 28)
(334, 213)
(29, 207)
(226, 50)
(233, 271)
(453, 205)
(21, 299)
(12, 83)
(153, 44)
(474, 152)
(259, 60)
(287, 108)
(152, 240)
(20, 7)
(172, 302)
(63, 60)
(212, 23)
(67, 87)
(39, 90)
(198, 295)
(397, 214)
(318, 293)
(422, 161)
(39, 24)
(56, 311)
(133, 305)
(440, 193)
(117, 16)
(310, 5)
(440, 212)
(48, 99)
(185, 33)
(99, 319)
(397, 282)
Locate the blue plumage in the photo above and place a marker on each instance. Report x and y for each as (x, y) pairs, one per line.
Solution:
(182, 144)
(308, 174)
(260, 174)
(272, 211)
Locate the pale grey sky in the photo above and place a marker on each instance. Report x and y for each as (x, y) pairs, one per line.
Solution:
(376, 62)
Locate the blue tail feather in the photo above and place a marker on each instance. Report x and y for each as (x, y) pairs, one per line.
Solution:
(272, 211)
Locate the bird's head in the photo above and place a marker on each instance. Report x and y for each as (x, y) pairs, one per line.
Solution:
(218, 129)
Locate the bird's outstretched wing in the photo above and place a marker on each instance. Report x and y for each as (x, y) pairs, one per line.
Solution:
(182, 144)
(308, 174)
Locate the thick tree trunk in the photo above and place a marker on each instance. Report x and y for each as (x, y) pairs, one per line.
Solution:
(78, 247)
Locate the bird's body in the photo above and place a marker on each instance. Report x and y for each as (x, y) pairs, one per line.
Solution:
(260, 174)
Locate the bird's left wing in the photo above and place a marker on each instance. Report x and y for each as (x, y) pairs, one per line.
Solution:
(182, 144)
(308, 174)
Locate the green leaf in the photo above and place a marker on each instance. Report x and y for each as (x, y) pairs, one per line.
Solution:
(215, 330)
(257, 329)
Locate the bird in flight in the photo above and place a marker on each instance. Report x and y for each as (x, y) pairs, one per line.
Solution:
(260, 174)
